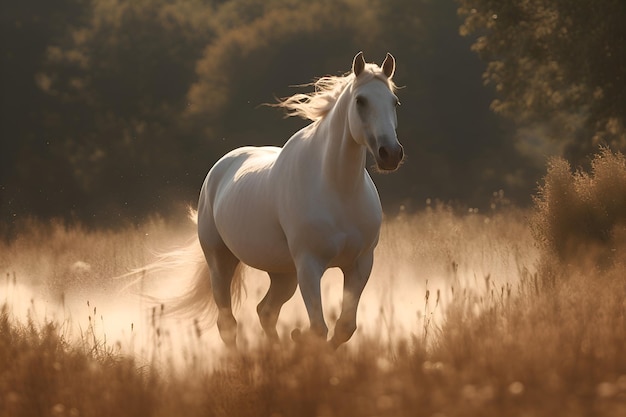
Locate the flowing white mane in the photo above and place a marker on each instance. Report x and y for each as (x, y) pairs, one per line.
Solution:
(315, 105)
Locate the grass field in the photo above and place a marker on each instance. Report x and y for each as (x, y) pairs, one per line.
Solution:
(466, 314)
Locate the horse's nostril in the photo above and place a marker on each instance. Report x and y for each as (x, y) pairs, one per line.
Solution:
(382, 152)
(401, 153)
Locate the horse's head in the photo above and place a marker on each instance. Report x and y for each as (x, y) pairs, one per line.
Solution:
(372, 111)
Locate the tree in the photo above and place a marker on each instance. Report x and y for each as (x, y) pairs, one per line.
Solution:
(454, 145)
(557, 64)
(29, 154)
(116, 109)
(114, 87)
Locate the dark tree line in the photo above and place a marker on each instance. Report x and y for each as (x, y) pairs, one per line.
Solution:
(115, 110)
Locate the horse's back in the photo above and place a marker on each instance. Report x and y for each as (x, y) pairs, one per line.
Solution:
(237, 202)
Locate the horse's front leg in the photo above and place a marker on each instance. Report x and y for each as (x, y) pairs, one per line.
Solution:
(355, 279)
(310, 271)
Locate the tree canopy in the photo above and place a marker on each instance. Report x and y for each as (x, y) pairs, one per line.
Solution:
(113, 110)
(555, 64)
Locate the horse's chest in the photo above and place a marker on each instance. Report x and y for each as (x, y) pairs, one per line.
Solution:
(348, 247)
(340, 240)
(335, 229)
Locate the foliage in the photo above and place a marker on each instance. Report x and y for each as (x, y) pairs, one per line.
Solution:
(116, 84)
(278, 44)
(581, 215)
(113, 110)
(27, 29)
(555, 63)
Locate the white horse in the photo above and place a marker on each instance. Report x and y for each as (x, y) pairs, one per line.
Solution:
(298, 210)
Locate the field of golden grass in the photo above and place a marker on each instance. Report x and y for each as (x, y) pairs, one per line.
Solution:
(466, 314)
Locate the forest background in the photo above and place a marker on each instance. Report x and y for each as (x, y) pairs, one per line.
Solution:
(112, 111)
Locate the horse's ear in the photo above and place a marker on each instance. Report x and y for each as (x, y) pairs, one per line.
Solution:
(358, 64)
(389, 65)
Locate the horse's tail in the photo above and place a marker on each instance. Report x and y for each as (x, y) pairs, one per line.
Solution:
(197, 301)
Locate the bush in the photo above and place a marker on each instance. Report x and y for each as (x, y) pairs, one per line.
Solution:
(582, 216)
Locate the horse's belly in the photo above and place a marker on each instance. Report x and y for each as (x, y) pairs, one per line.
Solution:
(255, 242)
(246, 219)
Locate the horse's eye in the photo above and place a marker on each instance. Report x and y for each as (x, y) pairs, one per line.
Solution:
(361, 101)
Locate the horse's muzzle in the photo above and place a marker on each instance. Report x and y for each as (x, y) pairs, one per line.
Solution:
(389, 157)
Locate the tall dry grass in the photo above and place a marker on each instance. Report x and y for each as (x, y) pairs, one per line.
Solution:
(458, 319)
(45, 375)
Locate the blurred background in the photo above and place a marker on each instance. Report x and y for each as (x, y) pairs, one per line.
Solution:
(112, 111)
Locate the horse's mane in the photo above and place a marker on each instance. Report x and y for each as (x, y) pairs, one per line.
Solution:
(315, 105)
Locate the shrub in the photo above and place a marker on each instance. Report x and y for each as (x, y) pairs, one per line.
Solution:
(581, 216)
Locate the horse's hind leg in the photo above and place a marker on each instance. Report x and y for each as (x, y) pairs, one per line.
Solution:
(222, 266)
(282, 288)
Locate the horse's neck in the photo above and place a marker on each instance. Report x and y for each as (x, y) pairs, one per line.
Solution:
(343, 160)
